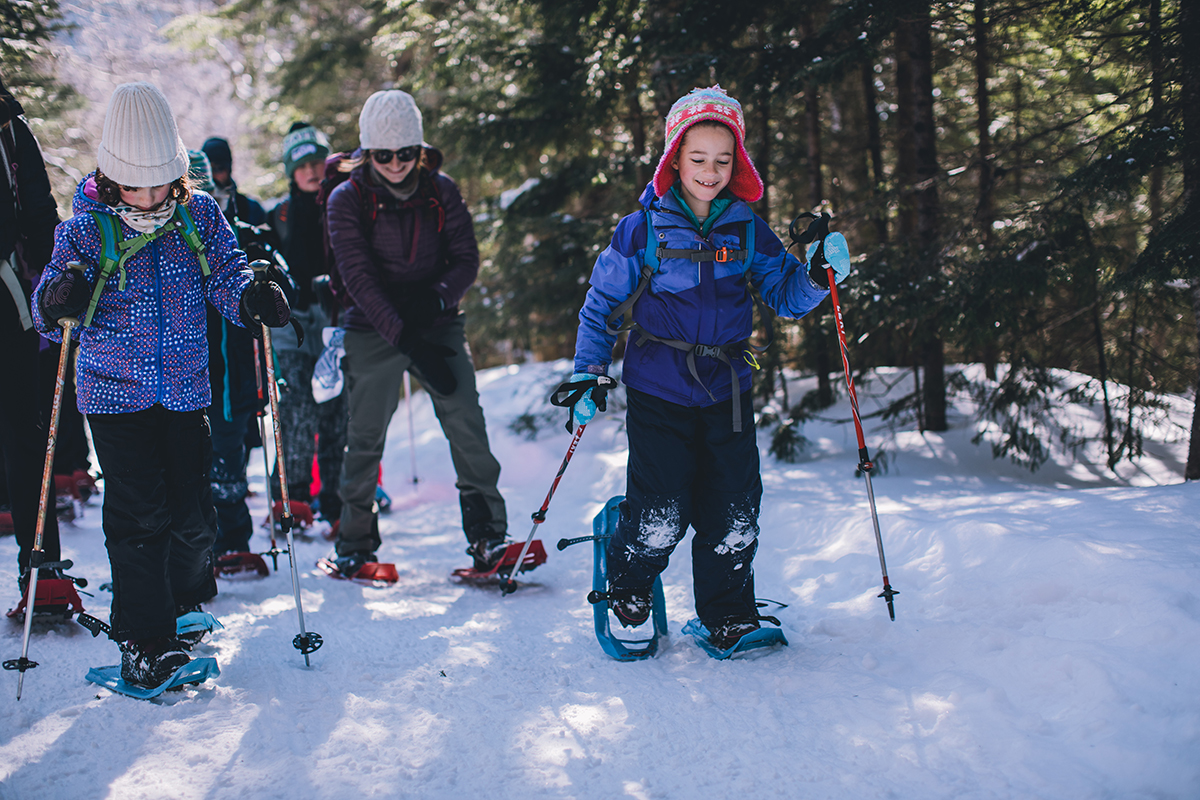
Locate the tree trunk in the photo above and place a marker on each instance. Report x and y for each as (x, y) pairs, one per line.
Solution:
(984, 207)
(1156, 101)
(906, 146)
(816, 332)
(1189, 34)
(875, 148)
(927, 208)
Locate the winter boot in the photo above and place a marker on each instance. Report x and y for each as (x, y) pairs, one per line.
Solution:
(150, 662)
(487, 553)
(730, 632)
(631, 606)
(191, 638)
(350, 564)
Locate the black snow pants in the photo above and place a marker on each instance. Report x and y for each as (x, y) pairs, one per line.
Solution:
(688, 467)
(159, 520)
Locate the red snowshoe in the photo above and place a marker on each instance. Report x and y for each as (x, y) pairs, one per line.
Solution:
(6, 523)
(234, 564)
(503, 568)
(56, 598)
(302, 514)
(356, 568)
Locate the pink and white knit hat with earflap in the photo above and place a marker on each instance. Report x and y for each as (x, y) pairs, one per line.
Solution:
(708, 104)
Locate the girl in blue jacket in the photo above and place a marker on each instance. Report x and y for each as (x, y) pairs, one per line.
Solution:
(693, 455)
(135, 265)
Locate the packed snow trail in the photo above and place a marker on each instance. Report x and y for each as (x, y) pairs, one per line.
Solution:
(1044, 644)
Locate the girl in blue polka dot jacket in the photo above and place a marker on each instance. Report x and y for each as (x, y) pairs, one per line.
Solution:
(142, 365)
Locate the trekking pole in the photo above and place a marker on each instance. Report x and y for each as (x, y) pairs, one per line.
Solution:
(37, 555)
(412, 440)
(305, 642)
(820, 228)
(509, 586)
(274, 552)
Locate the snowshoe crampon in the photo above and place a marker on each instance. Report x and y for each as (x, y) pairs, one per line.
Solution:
(231, 565)
(373, 572)
(604, 525)
(195, 671)
(535, 556)
(760, 637)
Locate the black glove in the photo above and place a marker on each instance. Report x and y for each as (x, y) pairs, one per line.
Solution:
(264, 302)
(432, 363)
(67, 294)
(420, 308)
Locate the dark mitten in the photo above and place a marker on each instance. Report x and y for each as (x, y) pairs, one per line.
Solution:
(421, 308)
(264, 302)
(432, 362)
(66, 295)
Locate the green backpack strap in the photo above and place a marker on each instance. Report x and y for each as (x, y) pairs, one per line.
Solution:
(115, 250)
(187, 229)
(110, 257)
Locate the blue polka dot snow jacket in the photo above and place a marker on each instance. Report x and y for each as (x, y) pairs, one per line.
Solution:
(147, 343)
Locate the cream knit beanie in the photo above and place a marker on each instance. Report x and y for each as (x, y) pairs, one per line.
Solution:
(140, 145)
(390, 120)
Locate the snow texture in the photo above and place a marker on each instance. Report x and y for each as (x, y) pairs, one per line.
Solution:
(1045, 642)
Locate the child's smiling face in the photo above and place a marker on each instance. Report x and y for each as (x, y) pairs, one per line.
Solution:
(705, 164)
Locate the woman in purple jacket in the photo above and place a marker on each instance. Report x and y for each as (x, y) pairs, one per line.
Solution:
(405, 248)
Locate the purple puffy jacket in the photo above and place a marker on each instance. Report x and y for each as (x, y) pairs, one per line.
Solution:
(385, 248)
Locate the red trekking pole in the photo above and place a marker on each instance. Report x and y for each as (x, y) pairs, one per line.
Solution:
(564, 399)
(819, 229)
(509, 585)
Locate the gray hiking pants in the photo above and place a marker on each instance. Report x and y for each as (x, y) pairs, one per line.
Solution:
(374, 373)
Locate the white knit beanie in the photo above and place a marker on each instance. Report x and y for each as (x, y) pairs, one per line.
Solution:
(390, 120)
(140, 145)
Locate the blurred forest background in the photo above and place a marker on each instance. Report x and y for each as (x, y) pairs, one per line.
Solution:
(1017, 178)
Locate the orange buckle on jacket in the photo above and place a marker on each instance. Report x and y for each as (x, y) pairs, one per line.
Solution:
(723, 255)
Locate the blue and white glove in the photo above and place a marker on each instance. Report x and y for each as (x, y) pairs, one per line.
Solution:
(832, 251)
(584, 394)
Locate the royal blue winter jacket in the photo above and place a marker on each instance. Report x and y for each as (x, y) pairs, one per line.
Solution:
(703, 302)
(147, 343)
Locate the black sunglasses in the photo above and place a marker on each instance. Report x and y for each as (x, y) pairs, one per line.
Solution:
(403, 155)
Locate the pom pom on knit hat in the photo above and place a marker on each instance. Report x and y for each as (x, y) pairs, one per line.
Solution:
(199, 171)
(708, 104)
(140, 144)
(303, 144)
(390, 120)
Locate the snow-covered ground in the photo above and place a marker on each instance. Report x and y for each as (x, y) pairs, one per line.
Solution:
(1045, 644)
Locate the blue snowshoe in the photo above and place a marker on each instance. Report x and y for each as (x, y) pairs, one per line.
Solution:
(604, 526)
(195, 671)
(731, 642)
